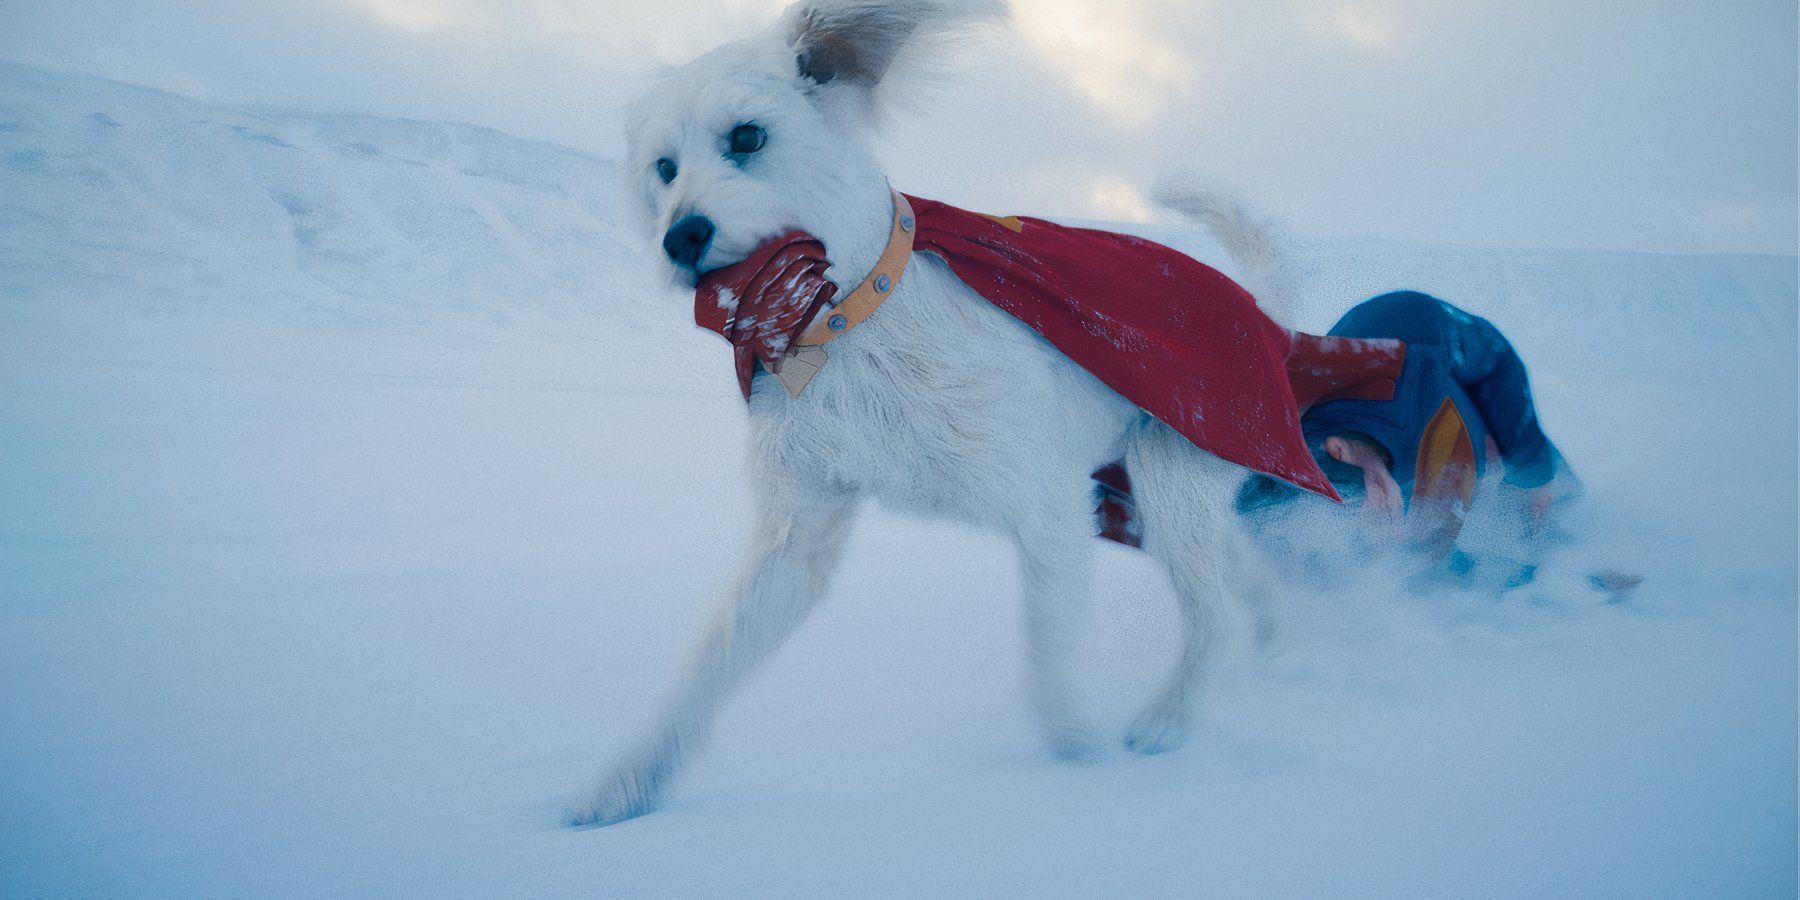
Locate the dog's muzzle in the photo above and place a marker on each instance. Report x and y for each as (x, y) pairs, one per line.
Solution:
(687, 241)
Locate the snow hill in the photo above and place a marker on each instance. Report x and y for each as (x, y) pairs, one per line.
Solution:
(361, 489)
(359, 217)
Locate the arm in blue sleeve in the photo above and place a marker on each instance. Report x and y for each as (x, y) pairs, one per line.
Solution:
(1490, 370)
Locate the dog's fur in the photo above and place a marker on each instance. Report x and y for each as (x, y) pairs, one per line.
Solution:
(940, 403)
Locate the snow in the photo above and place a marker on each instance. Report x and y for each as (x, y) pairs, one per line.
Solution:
(361, 489)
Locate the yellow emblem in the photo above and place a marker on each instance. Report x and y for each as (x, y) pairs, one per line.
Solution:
(1008, 221)
(1446, 463)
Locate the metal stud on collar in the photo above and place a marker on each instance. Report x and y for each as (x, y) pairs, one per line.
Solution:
(853, 308)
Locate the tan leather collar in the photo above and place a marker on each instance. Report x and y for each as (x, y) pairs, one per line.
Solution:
(880, 284)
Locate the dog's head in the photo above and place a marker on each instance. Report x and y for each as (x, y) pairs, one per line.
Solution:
(767, 134)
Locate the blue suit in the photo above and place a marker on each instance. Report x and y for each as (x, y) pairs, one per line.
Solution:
(1460, 374)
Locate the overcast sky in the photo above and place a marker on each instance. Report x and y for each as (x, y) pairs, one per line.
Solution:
(1661, 125)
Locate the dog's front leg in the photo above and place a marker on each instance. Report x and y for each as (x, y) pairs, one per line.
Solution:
(1053, 555)
(793, 549)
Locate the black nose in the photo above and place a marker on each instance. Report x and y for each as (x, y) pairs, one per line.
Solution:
(687, 240)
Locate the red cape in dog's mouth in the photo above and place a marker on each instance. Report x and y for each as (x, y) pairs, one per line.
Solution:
(1176, 337)
(762, 302)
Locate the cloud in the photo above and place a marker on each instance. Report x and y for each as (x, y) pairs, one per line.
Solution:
(1365, 24)
(1117, 56)
(1665, 127)
(413, 15)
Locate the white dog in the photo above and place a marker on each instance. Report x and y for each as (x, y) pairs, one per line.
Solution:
(939, 403)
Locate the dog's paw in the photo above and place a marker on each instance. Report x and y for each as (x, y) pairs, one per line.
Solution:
(604, 808)
(1158, 730)
(1264, 632)
(1073, 744)
(628, 794)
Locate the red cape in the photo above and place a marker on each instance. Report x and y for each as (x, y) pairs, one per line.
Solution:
(1174, 336)
(762, 303)
(1177, 338)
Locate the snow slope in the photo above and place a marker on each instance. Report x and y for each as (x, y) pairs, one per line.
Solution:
(360, 492)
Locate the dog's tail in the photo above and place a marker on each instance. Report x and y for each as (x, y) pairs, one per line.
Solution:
(1254, 244)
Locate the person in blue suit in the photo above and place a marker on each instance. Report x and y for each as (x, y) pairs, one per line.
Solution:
(1461, 403)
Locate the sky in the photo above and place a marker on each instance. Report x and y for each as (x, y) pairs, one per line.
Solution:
(1655, 125)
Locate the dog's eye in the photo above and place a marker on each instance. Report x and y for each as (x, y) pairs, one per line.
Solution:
(665, 169)
(746, 139)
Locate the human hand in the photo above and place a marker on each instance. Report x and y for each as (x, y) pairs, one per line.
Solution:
(1382, 492)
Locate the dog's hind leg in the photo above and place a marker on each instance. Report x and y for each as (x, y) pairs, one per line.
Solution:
(1053, 557)
(794, 548)
(1184, 496)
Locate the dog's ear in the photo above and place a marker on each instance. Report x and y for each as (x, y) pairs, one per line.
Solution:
(854, 42)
